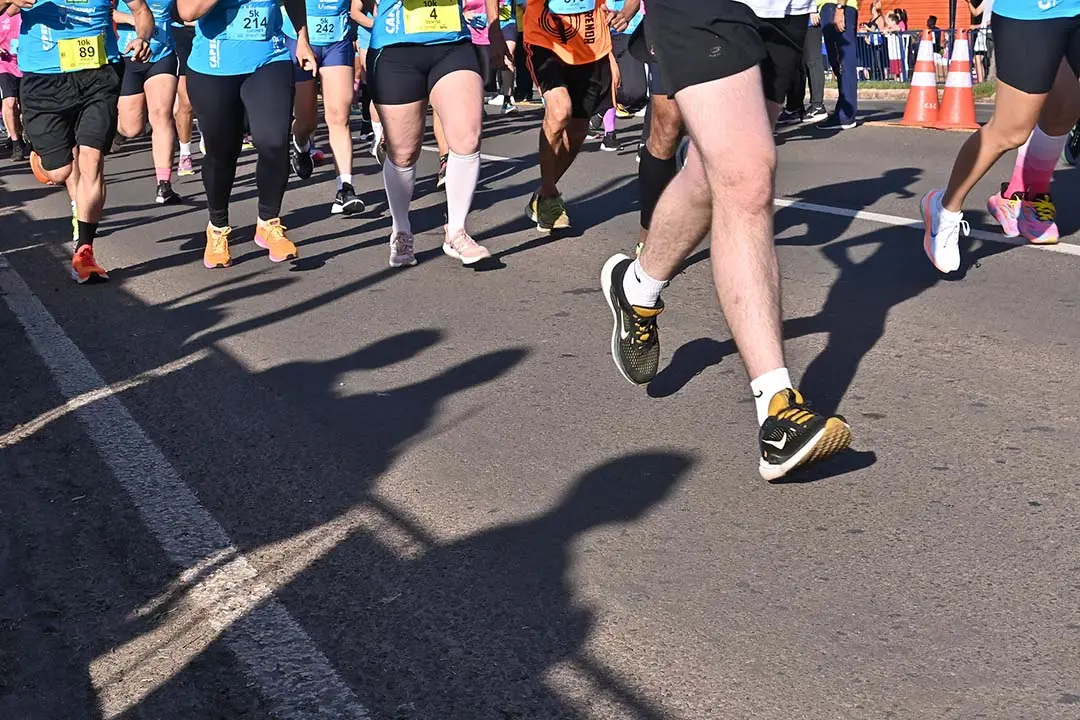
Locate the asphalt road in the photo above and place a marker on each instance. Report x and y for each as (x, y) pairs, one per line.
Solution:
(332, 489)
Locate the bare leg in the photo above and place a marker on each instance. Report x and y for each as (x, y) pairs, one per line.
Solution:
(736, 198)
(183, 114)
(305, 111)
(560, 140)
(337, 84)
(160, 97)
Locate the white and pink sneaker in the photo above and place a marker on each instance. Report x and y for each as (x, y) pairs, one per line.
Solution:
(461, 246)
(1005, 210)
(401, 250)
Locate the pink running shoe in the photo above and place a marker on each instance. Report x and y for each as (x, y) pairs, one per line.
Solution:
(1006, 211)
(1037, 220)
(461, 246)
(183, 167)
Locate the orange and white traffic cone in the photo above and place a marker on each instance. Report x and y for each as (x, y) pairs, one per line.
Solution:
(922, 100)
(958, 102)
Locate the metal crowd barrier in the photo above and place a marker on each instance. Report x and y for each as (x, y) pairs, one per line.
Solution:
(891, 56)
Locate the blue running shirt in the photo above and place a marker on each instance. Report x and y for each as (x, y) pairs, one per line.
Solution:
(161, 44)
(61, 36)
(571, 7)
(238, 37)
(617, 6)
(327, 21)
(418, 22)
(1037, 9)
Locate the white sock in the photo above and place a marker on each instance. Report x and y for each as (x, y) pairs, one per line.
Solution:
(462, 172)
(376, 127)
(185, 148)
(765, 386)
(639, 288)
(343, 179)
(399, 190)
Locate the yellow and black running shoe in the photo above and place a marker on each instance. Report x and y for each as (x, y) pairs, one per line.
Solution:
(635, 336)
(794, 435)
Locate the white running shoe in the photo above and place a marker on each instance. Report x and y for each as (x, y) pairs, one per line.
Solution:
(461, 246)
(401, 250)
(496, 101)
(941, 236)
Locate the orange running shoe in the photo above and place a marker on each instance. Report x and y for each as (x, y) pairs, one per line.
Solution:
(217, 248)
(270, 235)
(84, 269)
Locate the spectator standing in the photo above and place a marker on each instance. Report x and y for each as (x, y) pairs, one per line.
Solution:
(812, 71)
(10, 79)
(839, 22)
(984, 42)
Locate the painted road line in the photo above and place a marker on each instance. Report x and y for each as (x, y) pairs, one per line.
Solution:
(483, 156)
(292, 674)
(897, 221)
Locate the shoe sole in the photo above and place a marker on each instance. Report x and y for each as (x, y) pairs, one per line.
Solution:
(924, 210)
(172, 200)
(400, 264)
(451, 252)
(605, 148)
(831, 439)
(605, 287)
(91, 279)
(273, 258)
(350, 208)
(215, 266)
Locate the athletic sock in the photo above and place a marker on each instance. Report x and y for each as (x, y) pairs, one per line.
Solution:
(1039, 160)
(376, 127)
(639, 288)
(462, 172)
(185, 148)
(765, 386)
(609, 121)
(345, 178)
(163, 174)
(399, 190)
(654, 175)
(87, 231)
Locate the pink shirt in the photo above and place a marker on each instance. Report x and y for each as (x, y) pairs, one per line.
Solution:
(9, 30)
(473, 8)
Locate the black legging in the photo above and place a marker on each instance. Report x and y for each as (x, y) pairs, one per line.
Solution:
(632, 93)
(220, 102)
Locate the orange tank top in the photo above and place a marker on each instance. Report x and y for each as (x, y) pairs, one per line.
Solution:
(575, 39)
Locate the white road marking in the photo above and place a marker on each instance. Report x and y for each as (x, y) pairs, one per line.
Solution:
(35, 246)
(293, 675)
(483, 156)
(21, 432)
(897, 221)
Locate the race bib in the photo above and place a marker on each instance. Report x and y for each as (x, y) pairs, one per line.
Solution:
(251, 22)
(505, 13)
(431, 16)
(327, 30)
(86, 53)
(571, 7)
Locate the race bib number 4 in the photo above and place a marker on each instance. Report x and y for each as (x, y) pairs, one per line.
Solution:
(251, 22)
(571, 7)
(86, 53)
(327, 30)
(431, 16)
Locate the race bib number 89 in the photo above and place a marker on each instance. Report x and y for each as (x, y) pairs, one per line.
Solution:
(84, 53)
(251, 22)
(431, 16)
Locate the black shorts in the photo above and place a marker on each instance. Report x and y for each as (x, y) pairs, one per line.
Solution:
(403, 74)
(642, 47)
(63, 110)
(183, 37)
(589, 85)
(698, 42)
(137, 73)
(1029, 52)
(9, 86)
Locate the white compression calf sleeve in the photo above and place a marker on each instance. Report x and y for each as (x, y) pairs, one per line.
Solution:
(462, 172)
(399, 190)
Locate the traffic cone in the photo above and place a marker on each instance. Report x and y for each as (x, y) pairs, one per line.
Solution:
(922, 100)
(958, 102)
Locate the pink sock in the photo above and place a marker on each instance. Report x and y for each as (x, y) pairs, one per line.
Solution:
(1035, 163)
(163, 174)
(609, 121)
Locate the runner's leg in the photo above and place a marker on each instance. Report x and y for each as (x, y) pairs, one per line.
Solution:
(160, 96)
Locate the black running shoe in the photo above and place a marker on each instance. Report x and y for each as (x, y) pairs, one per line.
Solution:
(346, 202)
(635, 336)
(380, 151)
(610, 143)
(794, 435)
(165, 194)
(1071, 151)
(302, 164)
(19, 152)
(790, 117)
(442, 170)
